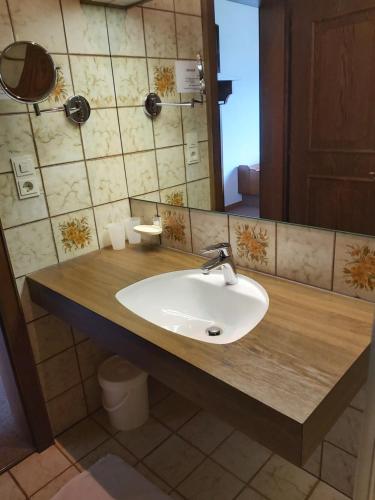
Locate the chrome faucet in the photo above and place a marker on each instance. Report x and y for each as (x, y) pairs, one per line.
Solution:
(222, 260)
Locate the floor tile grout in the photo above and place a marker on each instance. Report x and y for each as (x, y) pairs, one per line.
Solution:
(17, 483)
(204, 456)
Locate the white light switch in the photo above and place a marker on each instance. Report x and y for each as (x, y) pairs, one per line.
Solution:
(22, 165)
(192, 148)
(26, 178)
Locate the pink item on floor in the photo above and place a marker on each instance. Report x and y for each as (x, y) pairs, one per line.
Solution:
(110, 478)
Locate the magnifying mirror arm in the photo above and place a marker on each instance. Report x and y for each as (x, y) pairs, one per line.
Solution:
(153, 104)
(76, 109)
(187, 104)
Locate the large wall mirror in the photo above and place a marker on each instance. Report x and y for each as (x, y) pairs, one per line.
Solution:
(295, 141)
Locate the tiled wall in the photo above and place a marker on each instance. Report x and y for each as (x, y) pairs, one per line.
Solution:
(114, 57)
(341, 262)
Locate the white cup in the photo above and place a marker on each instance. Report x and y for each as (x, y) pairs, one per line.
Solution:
(116, 232)
(134, 238)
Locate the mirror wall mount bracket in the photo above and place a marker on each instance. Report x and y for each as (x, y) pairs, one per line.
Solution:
(76, 108)
(153, 104)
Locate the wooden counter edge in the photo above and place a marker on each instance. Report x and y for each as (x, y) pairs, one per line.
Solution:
(270, 428)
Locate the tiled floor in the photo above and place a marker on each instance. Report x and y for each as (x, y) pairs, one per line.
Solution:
(185, 451)
(15, 441)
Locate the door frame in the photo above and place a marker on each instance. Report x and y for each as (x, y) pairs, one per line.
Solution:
(274, 106)
(213, 111)
(21, 355)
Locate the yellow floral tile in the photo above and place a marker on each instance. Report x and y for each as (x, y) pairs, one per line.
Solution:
(355, 266)
(162, 78)
(75, 234)
(176, 227)
(253, 242)
(175, 196)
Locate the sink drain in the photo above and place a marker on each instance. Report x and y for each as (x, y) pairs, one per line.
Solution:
(214, 331)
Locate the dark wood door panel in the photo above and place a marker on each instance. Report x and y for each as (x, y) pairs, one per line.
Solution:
(343, 93)
(332, 114)
(328, 206)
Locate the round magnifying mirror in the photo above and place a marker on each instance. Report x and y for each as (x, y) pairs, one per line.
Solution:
(27, 72)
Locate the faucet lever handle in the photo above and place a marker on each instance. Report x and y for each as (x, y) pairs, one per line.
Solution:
(218, 247)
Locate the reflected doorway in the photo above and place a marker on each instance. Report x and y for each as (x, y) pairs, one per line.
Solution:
(237, 24)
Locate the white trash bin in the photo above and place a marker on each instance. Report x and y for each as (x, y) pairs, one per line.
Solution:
(124, 393)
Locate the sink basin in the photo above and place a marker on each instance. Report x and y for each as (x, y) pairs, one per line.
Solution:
(189, 303)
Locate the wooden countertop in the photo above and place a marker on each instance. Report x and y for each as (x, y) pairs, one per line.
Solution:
(289, 379)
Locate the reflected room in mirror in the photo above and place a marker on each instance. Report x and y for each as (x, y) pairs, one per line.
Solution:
(289, 129)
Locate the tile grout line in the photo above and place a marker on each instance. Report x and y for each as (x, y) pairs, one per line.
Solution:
(117, 104)
(91, 208)
(17, 482)
(149, 89)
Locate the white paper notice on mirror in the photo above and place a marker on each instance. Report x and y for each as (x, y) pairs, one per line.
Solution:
(187, 77)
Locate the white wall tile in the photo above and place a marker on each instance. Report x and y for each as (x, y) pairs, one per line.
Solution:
(39, 20)
(6, 34)
(107, 179)
(141, 173)
(14, 211)
(105, 214)
(31, 247)
(66, 187)
(160, 34)
(15, 138)
(101, 135)
(85, 27)
(136, 130)
(131, 80)
(125, 29)
(57, 139)
(92, 78)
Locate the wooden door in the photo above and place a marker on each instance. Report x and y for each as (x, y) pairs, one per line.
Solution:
(332, 114)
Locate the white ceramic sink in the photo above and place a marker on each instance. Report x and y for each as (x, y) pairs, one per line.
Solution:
(189, 302)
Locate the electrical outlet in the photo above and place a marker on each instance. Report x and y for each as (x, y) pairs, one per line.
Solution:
(192, 148)
(25, 175)
(28, 186)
